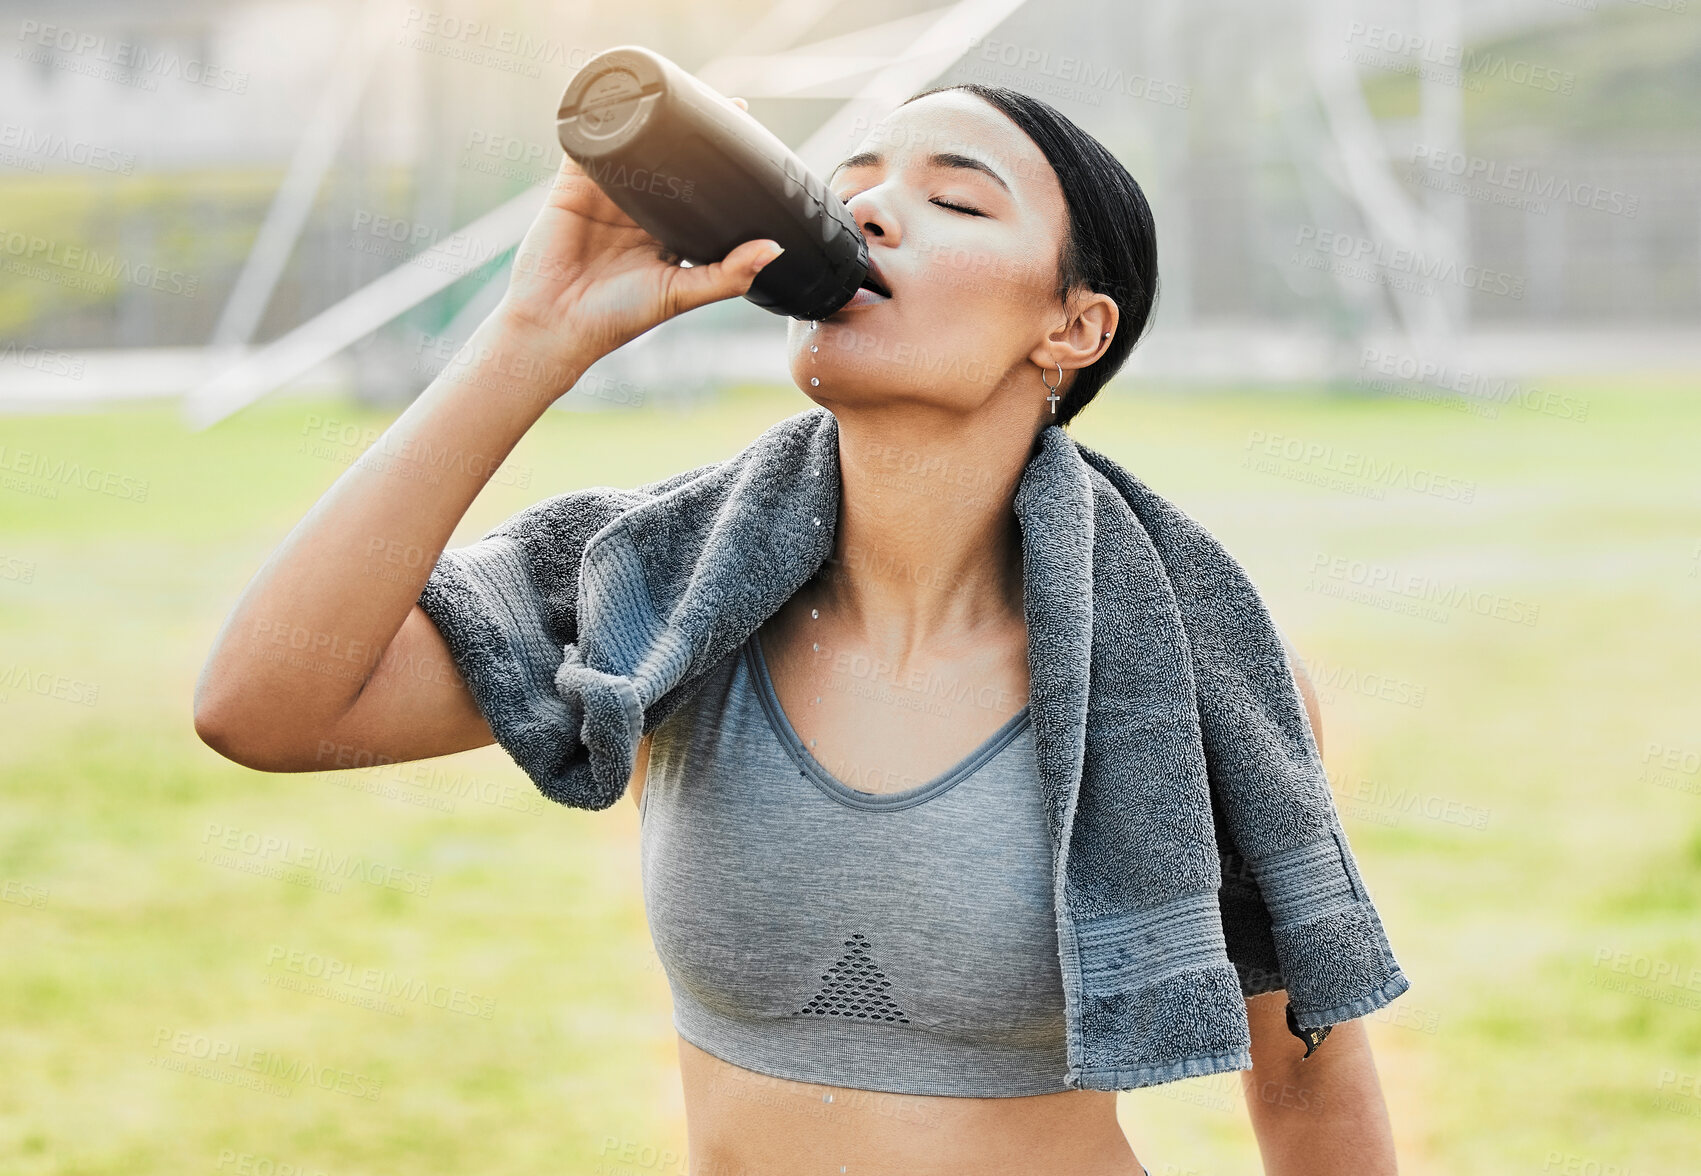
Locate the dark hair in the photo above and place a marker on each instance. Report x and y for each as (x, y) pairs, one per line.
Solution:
(1111, 246)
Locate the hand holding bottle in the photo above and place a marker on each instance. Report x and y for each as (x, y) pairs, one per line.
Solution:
(587, 278)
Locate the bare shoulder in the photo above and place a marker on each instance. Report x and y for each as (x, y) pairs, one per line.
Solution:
(640, 768)
(1307, 691)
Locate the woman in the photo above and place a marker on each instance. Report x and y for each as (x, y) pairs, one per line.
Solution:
(1014, 267)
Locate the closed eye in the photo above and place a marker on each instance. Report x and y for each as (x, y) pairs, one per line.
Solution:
(959, 208)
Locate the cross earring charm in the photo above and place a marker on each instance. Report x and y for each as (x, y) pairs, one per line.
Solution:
(1051, 389)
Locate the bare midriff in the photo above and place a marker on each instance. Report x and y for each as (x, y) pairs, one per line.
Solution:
(742, 1123)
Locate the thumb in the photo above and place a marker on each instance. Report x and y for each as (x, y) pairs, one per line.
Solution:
(730, 277)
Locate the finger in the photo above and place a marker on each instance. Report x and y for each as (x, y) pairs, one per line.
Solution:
(729, 277)
(742, 104)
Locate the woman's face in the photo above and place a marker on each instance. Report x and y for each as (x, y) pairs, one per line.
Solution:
(969, 253)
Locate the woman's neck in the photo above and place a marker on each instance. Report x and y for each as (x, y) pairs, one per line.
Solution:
(928, 550)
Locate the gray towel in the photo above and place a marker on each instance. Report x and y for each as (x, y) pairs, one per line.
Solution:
(1197, 851)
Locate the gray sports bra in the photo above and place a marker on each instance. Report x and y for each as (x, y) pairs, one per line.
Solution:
(899, 941)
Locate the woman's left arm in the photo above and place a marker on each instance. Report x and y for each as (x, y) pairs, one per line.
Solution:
(1323, 1116)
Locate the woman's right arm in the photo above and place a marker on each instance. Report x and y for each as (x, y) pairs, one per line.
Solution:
(326, 660)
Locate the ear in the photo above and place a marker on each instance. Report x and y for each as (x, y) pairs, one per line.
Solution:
(1083, 334)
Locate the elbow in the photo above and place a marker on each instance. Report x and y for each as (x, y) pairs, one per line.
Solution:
(227, 726)
(216, 723)
(236, 743)
(215, 727)
(262, 740)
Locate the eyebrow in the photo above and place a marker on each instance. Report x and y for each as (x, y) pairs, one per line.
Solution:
(937, 159)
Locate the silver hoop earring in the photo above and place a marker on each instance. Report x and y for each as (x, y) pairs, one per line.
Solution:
(1053, 398)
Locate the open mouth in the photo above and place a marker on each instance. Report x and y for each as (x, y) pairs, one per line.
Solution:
(873, 283)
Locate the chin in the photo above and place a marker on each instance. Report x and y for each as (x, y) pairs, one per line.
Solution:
(850, 359)
(860, 365)
(837, 389)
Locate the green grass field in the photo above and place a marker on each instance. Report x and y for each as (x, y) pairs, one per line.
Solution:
(196, 983)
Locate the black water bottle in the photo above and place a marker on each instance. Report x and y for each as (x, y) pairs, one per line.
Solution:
(702, 176)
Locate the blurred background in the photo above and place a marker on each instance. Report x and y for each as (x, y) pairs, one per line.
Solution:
(1425, 358)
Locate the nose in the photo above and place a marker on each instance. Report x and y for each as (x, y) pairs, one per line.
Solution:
(873, 215)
